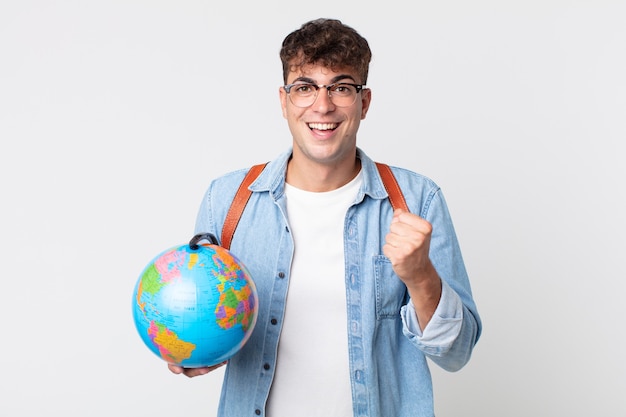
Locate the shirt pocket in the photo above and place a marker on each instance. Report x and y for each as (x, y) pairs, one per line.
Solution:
(391, 293)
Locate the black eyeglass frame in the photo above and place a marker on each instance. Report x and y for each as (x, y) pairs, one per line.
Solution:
(328, 87)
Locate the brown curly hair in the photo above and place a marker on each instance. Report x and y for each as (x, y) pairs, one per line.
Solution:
(327, 42)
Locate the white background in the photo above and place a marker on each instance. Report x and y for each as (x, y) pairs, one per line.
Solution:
(115, 115)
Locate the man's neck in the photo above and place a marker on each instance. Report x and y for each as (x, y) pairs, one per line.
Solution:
(310, 176)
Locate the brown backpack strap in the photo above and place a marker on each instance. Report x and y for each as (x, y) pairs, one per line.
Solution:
(239, 203)
(396, 198)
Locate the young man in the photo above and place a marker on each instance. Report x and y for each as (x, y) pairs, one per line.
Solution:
(353, 296)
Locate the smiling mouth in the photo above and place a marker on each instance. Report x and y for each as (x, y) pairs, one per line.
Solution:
(323, 126)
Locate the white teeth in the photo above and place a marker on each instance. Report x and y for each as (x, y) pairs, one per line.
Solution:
(323, 126)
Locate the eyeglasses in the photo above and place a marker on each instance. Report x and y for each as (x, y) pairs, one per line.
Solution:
(340, 94)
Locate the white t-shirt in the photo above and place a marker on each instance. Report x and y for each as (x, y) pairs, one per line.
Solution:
(312, 371)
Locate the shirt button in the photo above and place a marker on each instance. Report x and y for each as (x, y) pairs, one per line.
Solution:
(266, 366)
(257, 412)
(281, 275)
(273, 321)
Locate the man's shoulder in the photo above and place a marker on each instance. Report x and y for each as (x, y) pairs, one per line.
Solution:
(406, 177)
(418, 189)
(409, 176)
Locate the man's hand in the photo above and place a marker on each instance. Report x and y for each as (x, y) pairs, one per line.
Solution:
(407, 247)
(191, 372)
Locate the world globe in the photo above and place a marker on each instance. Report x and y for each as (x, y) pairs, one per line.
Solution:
(195, 305)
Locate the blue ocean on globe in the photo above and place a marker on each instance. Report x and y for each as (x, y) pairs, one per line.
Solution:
(195, 305)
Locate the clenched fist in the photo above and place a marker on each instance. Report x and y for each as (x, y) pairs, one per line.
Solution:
(407, 246)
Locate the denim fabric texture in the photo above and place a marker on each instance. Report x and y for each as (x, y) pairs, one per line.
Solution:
(387, 351)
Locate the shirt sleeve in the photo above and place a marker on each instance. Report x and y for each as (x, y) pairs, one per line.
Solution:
(444, 327)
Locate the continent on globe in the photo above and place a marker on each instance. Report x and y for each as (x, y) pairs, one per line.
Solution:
(195, 305)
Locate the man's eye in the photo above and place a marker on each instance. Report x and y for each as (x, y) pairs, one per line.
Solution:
(344, 90)
(304, 89)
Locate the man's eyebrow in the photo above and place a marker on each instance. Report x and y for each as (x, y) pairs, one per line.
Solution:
(342, 78)
(303, 80)
(338, 78)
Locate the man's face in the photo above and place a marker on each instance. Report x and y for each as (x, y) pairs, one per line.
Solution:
(323, 132)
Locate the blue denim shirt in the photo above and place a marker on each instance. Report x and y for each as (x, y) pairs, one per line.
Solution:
(388, 353)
